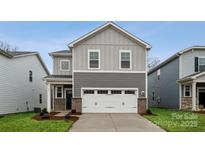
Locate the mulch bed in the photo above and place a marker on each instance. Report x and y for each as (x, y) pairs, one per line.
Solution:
(53, 117)
(77, 113)
(201, 112)
(148, 113)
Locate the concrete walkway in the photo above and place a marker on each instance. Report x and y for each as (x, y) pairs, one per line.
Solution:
(114, 123)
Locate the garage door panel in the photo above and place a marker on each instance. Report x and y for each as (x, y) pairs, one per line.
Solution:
(109, 103)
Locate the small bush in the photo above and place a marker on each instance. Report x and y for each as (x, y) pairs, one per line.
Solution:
(44, 110)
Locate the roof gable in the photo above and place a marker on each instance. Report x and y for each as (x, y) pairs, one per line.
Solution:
(18, 54)
(173, 57)
(105, 26)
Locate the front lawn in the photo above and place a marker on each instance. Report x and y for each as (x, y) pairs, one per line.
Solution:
(177, 121)
(23, 122)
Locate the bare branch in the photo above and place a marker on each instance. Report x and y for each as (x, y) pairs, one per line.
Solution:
(152, 62)
(7, 47)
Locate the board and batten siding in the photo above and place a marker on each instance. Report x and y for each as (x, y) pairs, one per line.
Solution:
(108, 80)
(15, 88)
(110, 42)
(166, 88)
(187, 61)
(56, 65)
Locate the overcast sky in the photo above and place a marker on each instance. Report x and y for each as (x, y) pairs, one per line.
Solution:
(166, 38)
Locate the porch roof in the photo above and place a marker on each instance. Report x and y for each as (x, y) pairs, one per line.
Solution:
(58, 78)
(192, 77)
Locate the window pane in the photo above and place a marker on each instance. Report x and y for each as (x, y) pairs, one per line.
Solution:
(201, 68)
(116, 91)
(201, 61)
(88, 91)
(94, 64)
(94, 55)
(30, 76)
(129, 92)
(125, 56)
(125, 64)
(40, 99)
(64, 65)
(102, 91)
(59, 91)
(187, 91)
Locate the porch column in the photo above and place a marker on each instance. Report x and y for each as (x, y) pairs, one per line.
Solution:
(194, 96)
(180, 96)
(48, 97)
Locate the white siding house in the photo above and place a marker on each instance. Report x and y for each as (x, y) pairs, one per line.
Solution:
(17, 92)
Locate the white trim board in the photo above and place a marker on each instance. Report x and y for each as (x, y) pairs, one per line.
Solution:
(101, 71)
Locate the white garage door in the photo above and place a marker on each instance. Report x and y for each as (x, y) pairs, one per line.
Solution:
(109, 100)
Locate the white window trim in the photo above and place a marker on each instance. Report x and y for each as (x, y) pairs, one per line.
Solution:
(61, 92)
(68, 65)
(93, 50)
(128, 51)
(189, 89)
(200, 57)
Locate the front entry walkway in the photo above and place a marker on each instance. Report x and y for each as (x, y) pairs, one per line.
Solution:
(114, 123)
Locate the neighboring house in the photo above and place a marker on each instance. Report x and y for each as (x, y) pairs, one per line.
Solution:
(179, 81)
(103, 71)
(21, 82)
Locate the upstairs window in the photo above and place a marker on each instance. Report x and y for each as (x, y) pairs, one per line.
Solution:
(125, 59)
(201, 64)
(158, 74)
(64, 65)
(59, 92)
(93, 59)
(30, 76)
(187, 91)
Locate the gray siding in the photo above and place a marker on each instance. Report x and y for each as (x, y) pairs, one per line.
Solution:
(15, 88)
(109, 42)
(56, 65)
(187, 61)
(166, 87)
(108, 80)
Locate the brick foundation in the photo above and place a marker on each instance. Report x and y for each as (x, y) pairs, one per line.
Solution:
(77, 104)
(186, 103)
(142, 105)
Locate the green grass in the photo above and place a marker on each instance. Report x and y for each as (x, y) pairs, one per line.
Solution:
(177, 121)
(23, 122)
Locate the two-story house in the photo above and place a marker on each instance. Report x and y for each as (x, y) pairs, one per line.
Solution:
(22, 87)
(179, 81)
(104, 71)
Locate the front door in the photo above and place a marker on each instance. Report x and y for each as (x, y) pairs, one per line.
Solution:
(201, 98)
(68, 99)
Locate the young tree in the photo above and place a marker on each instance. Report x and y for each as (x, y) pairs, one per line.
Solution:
(152, 62)
(7, 47)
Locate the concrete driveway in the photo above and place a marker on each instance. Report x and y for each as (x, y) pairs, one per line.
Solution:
(114, 122)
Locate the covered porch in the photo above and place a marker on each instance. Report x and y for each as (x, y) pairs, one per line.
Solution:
(192, 92)
(59, 93)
